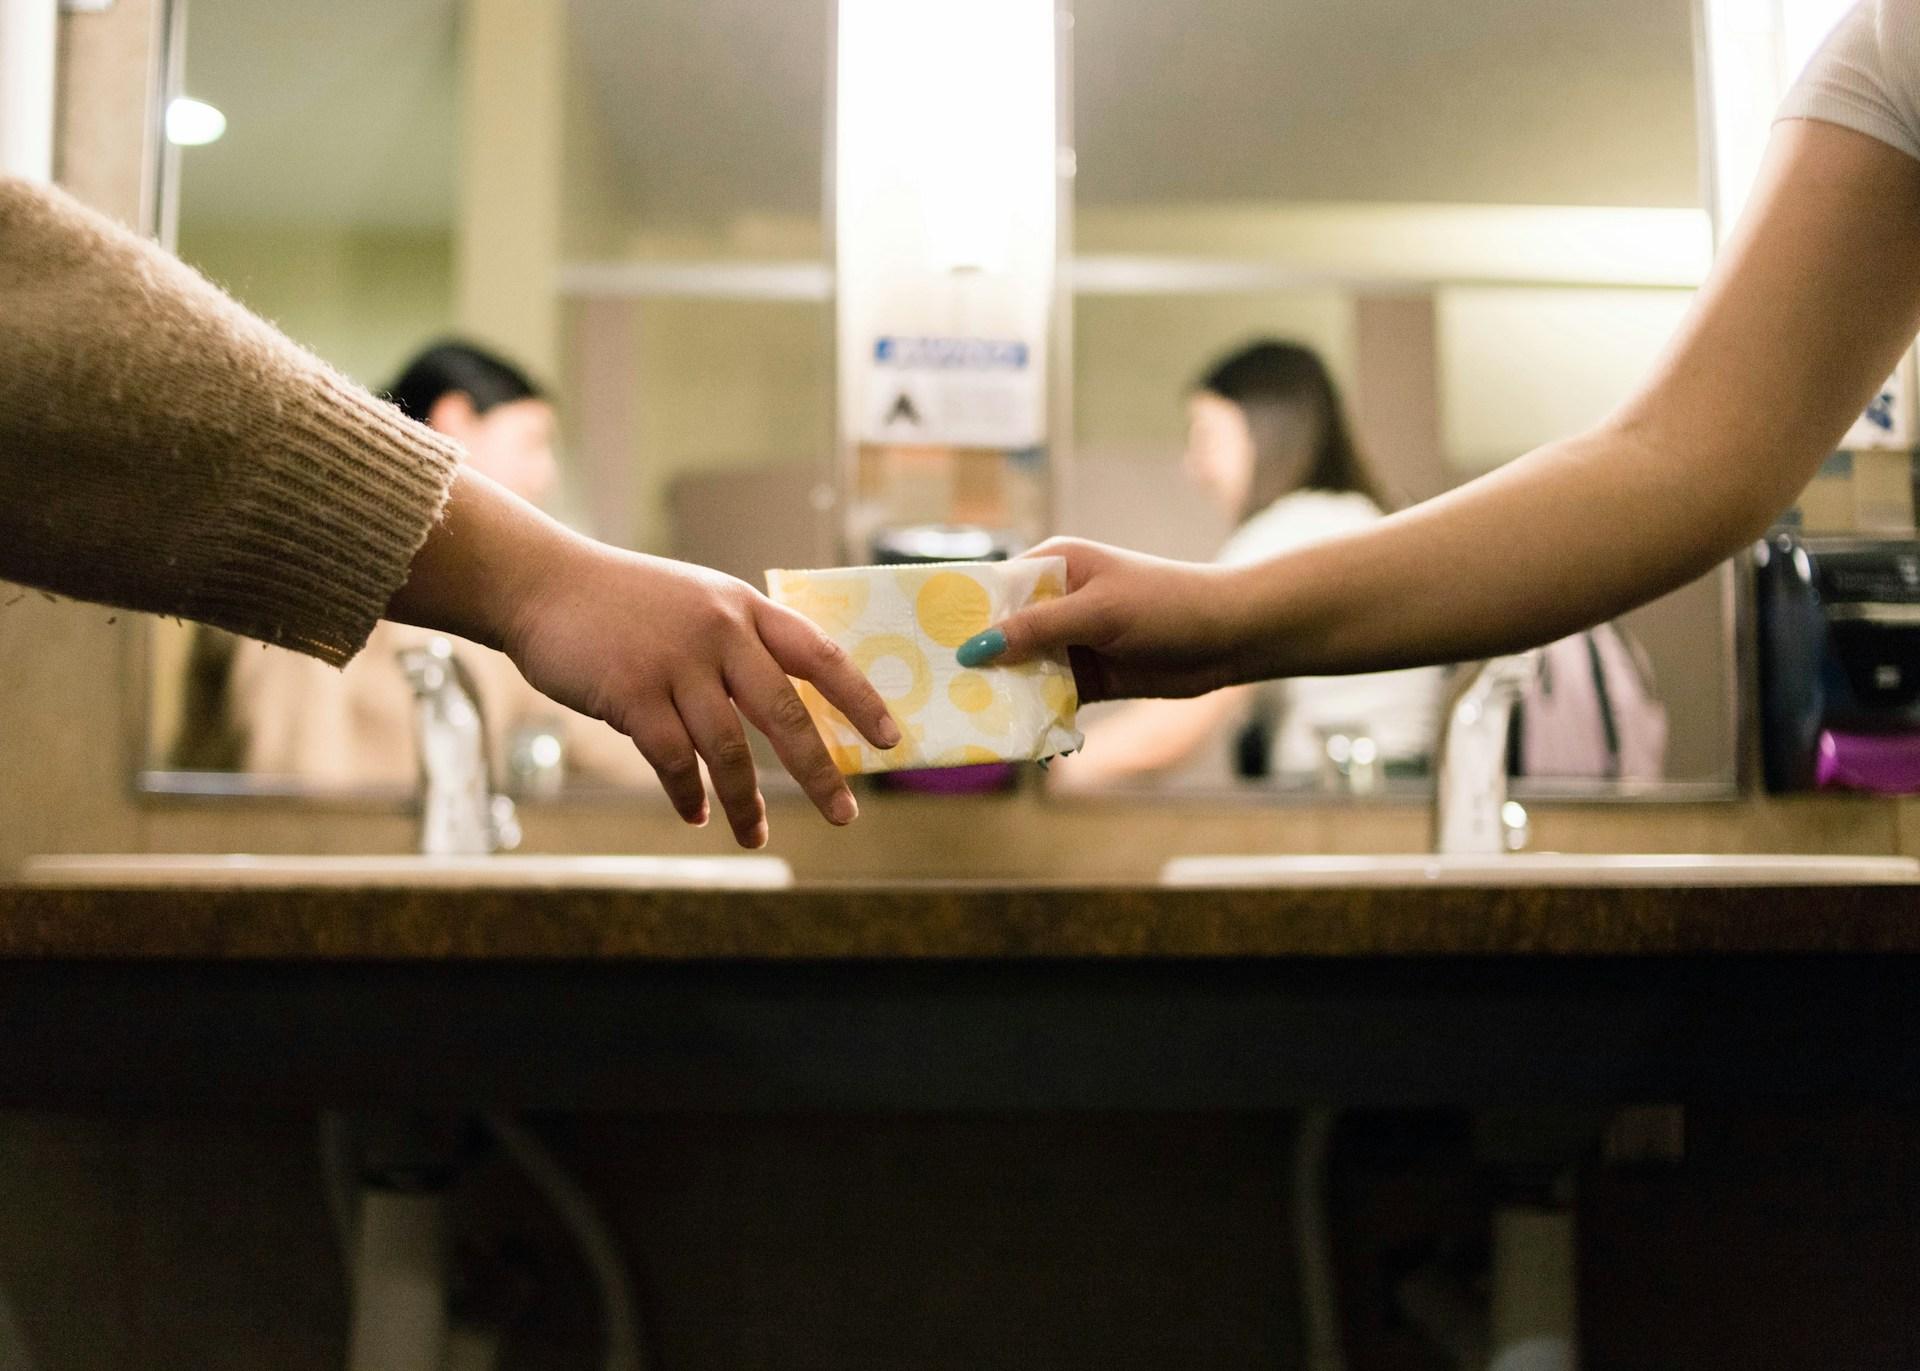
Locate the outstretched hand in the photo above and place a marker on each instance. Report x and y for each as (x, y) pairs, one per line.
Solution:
(672, 655)
(1132, 625)
(667, 653)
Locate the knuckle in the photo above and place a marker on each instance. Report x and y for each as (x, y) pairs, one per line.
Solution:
(715, 622)
(675, 765)
(829, 653)
(818, 774)
(732, 753)
(727, 612)
(790, 713)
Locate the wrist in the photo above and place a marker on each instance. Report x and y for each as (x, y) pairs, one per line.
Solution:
(485, 568)
(538, 560)
(1277, 617)
(1233, 608)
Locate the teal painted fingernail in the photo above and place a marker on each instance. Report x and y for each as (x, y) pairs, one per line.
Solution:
(982, 648)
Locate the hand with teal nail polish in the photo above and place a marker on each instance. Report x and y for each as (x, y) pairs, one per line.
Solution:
(982, 648)
(1132, 625)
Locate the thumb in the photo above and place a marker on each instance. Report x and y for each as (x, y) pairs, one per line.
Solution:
(1037, 629)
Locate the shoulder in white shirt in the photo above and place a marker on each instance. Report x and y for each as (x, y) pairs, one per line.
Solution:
(1866, 76)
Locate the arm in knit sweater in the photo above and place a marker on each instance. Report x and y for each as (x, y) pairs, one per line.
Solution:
(162, 449)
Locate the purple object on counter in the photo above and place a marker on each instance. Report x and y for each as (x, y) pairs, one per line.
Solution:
(1884, 763)
(955, 780)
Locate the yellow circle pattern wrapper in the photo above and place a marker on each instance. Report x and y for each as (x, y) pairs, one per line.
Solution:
(901, 626)
(892, 647)
(952, 608)
(970, 692)
(967, 754)
(835, 607)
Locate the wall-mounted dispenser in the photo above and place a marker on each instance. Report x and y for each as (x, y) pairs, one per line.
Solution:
(946, 169)
(28, 30)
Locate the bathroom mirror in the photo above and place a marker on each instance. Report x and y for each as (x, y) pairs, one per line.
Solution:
(620, 198)
(1470, 227)
(1481, 218)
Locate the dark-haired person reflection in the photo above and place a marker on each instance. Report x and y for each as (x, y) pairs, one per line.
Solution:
(1268, 442)
(298, 718)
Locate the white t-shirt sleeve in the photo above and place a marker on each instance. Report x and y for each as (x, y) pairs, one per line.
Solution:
(1294, 521)
(1866, 76)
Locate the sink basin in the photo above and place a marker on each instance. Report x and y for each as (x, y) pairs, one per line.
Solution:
(234, 869)
(1540, 868)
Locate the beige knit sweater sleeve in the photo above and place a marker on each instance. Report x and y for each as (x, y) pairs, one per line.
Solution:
(162, 449)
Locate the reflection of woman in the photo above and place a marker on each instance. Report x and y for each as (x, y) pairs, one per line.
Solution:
(1267, 440)
(299, 718)
(1809, 307)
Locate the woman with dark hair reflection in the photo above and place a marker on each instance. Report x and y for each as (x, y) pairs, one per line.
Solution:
(1268, 442)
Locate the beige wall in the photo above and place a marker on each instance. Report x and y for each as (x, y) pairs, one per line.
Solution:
(1136, 355)
(364, 299)
(1420, 242)
(508, 220)
(593, 194)
(725, 384)
(1522, 366)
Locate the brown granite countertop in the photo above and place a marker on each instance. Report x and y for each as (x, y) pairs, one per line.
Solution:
(926, 921)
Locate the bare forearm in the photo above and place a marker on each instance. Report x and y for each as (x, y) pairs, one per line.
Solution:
(1576, 533)
(1813, 301)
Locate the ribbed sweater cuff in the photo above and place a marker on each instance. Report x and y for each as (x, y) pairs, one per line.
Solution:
(323, 533)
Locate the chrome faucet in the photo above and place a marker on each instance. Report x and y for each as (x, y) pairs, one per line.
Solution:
(459, 813)
(1471, 811)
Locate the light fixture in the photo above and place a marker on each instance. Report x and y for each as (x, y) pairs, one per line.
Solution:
(946, 163)
(193, 123)
(946, 122)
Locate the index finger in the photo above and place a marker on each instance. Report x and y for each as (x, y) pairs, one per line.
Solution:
(769, 700)
(802, 650)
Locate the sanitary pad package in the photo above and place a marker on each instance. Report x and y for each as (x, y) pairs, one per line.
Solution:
(901, 625)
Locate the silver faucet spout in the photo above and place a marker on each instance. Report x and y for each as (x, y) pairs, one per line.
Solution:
(459, 813)
(1471, 814)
